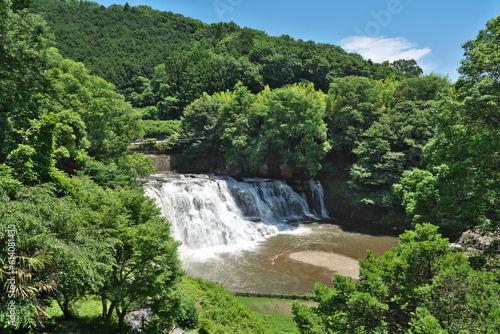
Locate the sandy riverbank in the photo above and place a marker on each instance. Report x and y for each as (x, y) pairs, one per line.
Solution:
(337, 263)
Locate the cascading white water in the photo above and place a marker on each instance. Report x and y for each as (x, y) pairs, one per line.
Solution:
(313, 192)
(208, 211)
(241, 233)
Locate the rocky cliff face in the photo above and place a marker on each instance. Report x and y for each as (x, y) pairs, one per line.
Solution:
(203, 163)
(273, 166)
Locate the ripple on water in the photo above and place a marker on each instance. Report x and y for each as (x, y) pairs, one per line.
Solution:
(270, 266)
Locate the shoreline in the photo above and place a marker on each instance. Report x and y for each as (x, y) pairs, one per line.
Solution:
(336, 263)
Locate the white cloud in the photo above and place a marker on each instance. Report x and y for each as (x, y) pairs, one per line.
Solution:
(383, 48)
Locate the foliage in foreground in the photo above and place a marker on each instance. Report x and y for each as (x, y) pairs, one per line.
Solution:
(421, 286)
(104, 242)
(64, 238)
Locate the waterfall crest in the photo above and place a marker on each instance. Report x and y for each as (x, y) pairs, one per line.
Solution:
(207, 211)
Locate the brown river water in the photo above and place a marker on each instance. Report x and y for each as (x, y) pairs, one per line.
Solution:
(241, 233)
(267, 268)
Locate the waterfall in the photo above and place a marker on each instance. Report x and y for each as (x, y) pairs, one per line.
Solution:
(209, 211)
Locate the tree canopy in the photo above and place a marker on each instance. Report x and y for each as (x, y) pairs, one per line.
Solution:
(460, 187)
(65, 237)
(166, 60)
(421, 286)
(379, 135)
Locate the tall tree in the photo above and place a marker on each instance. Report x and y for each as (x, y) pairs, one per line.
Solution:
(293, 125)
(482, 55)
(409, 67)
(25, 135)
(145, 267)
(93, 118)
(460, 189)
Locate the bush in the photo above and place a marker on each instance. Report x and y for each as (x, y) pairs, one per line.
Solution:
(160, 129)
(188, 315)
(148, 143)
(169, 143)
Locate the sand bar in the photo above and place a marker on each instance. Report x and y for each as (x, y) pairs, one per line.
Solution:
(339, 264)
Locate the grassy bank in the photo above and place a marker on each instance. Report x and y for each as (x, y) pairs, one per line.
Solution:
(275, 313)
(87, 320)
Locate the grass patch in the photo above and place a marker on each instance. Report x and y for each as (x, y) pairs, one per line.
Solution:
(87, 320)
(77, 326)
(275, 313)
(219, 310)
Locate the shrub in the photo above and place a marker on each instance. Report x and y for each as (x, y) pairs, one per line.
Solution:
(157, 129)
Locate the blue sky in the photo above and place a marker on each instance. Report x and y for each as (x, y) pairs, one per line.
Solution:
(431, 32)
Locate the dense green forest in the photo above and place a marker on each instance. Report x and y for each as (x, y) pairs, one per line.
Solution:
(75, 225)
(371, 120)
(165, 60)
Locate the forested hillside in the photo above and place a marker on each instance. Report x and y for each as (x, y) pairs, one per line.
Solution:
(75, 226)
(125, 45)
(369, 121)
(375, 134)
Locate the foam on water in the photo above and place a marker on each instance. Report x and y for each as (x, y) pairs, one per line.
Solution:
(212, 214)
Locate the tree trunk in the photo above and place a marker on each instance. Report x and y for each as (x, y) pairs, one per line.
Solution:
(121, 317)
(104, 307)
(110, 311)
(65, 308)
(107, 313)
